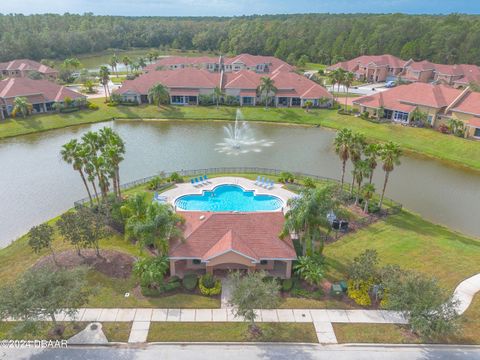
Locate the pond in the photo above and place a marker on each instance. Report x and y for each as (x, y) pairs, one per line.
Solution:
(37, 185)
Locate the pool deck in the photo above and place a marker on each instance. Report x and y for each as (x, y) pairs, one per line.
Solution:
(187, 188)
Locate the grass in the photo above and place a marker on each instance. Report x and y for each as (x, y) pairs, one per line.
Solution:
(413, 243)
(303, 303)
(115, 332)
(469, 332)
(111, 294)
(374, 333)
(230, 332)
(454, 150)
(315, 66)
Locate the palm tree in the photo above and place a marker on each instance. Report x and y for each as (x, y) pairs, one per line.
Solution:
(21, 105)
(114, 63)
(93, 144)
(135, 66)
(368, 190)
(126, 61)
(360, 172)
(357, 146)
(104, 74)
(141, 62)
(158, 94)
(372, 153)
(348, 80)
(340, 77)
(217, 94)
(390, 154)
(332, 77)
(71, 154)
(266, 87)
(307, 214)
(114, 151)
(342, 144)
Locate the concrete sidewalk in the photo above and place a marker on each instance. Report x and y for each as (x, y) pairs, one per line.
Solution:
(322, 319)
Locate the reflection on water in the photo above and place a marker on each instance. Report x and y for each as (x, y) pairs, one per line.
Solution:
(36, 185)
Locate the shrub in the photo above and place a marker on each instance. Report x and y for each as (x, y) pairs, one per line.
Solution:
(443, 128)
(309, 183)
(189, 282)
(206, 100)
(92, 106)
(359, 292)
(174, 279)
(209, 286)
(151, 271)
(310, 268)
(364, 268)
(287, 285)
(176, 178)
(286, 177)
(154, 183)
(208, 281)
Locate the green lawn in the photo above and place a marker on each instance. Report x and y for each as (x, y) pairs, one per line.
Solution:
(454, 150)
(413, 243)
(399, 334)
(315, 66)
(230, 332)
(115, 332)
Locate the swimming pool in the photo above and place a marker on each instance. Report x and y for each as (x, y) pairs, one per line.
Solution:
(229, 198)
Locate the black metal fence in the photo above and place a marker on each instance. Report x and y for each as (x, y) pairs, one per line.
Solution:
(392, 207)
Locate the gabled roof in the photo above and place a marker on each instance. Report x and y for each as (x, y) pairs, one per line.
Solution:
(369, 60)
(424, 65)
(181, 78)
(470, 104)
(35, 90)
(252, 235)
(407, 97)
(27, 65)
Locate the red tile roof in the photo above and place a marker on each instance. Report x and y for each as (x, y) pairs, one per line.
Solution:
(35, 90)
(407, 97)
(191, 79)
(181, 78)
(424, 65)
(469, 104)
(27, 65)
(182, 60)
(366, 60)
(254, 235)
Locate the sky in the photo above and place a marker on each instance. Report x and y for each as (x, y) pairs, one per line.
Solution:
(236, 7)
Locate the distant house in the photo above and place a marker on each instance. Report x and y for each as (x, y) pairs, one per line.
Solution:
(256, 63)
(381, 68)
(439, 102)
(42, 94)
(219, 242)
(372, 68)
(25, 67)
(186, 85)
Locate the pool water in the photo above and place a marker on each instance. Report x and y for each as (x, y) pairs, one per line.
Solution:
(229, 198)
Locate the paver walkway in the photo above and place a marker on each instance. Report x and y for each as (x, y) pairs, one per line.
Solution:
(226, 294)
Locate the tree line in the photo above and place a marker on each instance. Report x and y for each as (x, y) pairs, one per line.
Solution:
(323, 38)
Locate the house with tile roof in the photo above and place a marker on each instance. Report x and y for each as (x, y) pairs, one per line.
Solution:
(219, 242)
(257, 63)
(372, 68)
(25, 67)
(41, 94)
(186, 85)
(439, 102)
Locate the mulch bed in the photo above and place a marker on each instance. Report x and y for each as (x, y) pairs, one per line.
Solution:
(111, 263)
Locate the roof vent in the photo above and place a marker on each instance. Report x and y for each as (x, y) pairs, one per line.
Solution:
(202, 217)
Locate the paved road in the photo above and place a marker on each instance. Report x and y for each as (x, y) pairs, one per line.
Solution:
(251, 352)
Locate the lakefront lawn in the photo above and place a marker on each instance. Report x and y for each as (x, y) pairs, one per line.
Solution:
(456, 151)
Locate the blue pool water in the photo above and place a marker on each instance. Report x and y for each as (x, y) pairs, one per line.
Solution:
(229, 198)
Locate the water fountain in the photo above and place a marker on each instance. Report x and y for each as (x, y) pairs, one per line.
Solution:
(239, 138)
